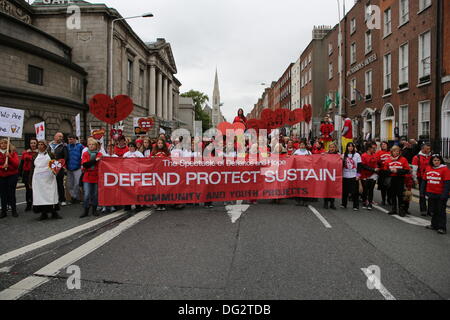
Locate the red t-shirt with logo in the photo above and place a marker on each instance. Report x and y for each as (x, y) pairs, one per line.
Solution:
(400, 164)
(370, 160)
(436, 179)
(422, 162)
(348, 124)
(383, 156)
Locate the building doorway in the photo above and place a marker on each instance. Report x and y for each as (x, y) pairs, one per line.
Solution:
(369, 124)
(446, 117)
(387, 122)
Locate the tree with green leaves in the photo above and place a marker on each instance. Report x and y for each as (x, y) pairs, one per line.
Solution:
(200, 99)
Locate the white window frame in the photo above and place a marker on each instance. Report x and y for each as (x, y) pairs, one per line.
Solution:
(368, 41)
(424, 61)
(403, 64)
(353, 91)
(330, 48)
(387, 72)
(421, 120)
(310, 75)
(369, 83)
(353, 53)
(424, 4)
(330, 71)
(403, 120)
(403, 16)
(387, 22)
(353, 26)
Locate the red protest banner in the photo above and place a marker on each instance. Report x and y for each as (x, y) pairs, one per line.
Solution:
(163, 181)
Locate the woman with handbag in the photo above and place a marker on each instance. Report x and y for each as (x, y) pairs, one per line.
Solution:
(397, 167)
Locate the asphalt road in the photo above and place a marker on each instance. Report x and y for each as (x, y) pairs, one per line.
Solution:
(270, 252)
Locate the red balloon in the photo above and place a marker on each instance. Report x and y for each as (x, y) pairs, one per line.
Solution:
(299, 116)
(110, 110)
(224, 127)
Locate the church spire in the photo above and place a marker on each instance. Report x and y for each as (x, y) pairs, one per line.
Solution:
(216, 102)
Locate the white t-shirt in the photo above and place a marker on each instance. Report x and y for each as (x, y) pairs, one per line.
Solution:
(301, 152)
(351, 165)
(136, 154)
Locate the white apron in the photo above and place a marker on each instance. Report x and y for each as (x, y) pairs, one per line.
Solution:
(45, 188)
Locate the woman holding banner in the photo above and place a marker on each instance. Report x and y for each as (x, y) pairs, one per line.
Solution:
(89, 161)
(9, 173)
(161, 151)
(44, 184)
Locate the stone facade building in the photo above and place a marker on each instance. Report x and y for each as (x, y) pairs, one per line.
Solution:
(144, 71)
(39, 74)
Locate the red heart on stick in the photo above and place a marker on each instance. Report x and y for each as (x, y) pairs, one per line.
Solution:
(307, 112)
(56, 165)
(299, 116)
(253, 124)
(111, 110)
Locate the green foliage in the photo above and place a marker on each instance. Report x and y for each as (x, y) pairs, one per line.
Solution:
(200, 99)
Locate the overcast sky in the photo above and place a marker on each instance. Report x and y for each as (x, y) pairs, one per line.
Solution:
(249, 41)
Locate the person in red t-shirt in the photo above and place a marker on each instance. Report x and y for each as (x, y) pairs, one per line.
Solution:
(368, 170)
(419, 165)
(382, 155)
(347, 132)
(437, 188)
(25, 169)
(318, 148)
(326, 130)
(89, 161)
(328, 203)
(9, 175)
(160, 151)
(290, 148)
(397, 167)
(121, 147)
(241, 118)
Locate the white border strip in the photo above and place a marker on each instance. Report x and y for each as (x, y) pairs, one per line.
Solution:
(384, 292)
(321, 218)
(68, 233)
(411, 220)
(42, 276)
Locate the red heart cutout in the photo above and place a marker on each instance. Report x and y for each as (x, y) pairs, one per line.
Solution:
(146, 124)
(267, 115)
(98, 134)
(239, 126)
(307, 112)
(253, 124)
(110, 110)
(299, 116)
(291, 119)
(56, 165)
(116, 133)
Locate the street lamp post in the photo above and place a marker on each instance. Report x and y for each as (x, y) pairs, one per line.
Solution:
(111, 54)
(341, 74)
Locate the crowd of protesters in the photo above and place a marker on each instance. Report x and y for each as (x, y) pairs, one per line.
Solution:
(367, 164)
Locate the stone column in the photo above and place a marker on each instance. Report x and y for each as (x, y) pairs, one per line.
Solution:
(165, 89)
(170, 114)
(152, 93)
(159, 104)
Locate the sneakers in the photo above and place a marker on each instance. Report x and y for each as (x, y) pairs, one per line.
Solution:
(63, 204)
(365, 206)
(370, 207)
(343, 207)
(355, 209)
(442, 231)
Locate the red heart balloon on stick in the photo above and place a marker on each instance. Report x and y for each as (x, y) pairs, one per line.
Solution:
(110, 110)
(307, 111)
(299, 116)
(56, 165)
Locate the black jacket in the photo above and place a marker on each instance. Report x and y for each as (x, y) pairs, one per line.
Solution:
(61, 152)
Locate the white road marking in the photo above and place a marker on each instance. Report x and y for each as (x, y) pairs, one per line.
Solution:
(5, 269)
(51, 270)
(321, 218)
(374, 279)
(409, 219)
(236, 211)
(21, 251)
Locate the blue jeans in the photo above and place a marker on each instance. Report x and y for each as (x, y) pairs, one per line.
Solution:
(90, 194)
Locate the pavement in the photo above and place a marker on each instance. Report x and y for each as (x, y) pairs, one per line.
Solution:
(269, 252)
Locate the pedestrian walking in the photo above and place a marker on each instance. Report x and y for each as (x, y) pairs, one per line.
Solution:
(9, 174)
(352, 159)
(25, 169)
(90, 162)
(74, 171)
(437, 189)
(368, 171)
(58, 148)
(419, 166)
(44, 183)
(397, 167)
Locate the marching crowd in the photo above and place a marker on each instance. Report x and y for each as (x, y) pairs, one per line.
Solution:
(366, 165)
